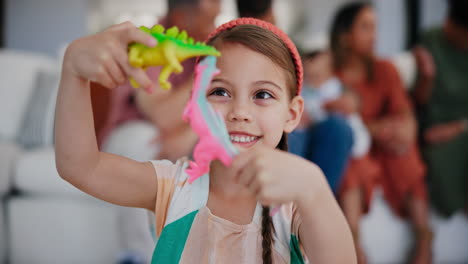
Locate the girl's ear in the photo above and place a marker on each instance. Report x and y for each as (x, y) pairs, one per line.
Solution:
(296, 107)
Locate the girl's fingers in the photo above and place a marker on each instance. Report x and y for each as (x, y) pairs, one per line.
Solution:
(128, 33)
(240, 163)
(108, 72)
(138, 74)
(255, 187)
(132, 34)
(251, 178)
(261, 193)
(247, 175)
(121, 26)
(103, 77)
(254, 177)
(116, 71)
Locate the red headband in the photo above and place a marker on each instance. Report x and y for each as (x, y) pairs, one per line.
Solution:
(283, 36)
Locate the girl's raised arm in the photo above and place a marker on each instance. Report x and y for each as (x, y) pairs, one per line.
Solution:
(101, 58)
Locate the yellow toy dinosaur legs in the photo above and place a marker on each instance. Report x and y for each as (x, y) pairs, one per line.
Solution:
(165, 57)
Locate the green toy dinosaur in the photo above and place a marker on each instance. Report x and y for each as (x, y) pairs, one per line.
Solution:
(172, 48)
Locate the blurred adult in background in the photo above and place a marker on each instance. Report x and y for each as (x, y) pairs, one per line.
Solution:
(260, 9)
(394, 161)
(146, 126)
(441, 95)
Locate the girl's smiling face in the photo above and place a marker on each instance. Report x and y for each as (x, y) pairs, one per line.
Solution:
(252, 95)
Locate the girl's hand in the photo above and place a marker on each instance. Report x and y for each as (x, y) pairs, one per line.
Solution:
(277, 177)
(103, 57)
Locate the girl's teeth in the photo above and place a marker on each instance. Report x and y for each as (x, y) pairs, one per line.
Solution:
(242, 139)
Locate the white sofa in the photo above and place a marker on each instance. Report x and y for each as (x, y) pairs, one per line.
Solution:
(43, 219)
(49, 221)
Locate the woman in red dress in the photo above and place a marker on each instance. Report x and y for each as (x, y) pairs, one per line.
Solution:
(394, 162)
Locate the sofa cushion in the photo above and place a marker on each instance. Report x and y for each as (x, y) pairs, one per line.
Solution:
(3, 236)
(36, 174)
(9, 153)
(61, 230)
(37, 125)
(18, 72)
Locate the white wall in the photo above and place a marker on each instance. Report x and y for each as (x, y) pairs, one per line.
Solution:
(318, 16)
(433, 13)
(44, 25)
(391, 26)
(103, 13)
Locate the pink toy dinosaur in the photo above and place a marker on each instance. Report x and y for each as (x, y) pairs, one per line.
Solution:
(214, 142)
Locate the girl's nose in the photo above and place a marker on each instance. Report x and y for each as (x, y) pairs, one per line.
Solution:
(239, 112)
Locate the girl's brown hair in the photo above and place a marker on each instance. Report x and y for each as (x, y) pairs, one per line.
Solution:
(265, 42)
(269, 44)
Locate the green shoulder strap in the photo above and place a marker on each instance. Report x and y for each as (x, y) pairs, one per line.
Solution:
(171, 243)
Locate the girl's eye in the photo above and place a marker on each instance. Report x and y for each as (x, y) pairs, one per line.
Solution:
(219, 92)
(263, 95)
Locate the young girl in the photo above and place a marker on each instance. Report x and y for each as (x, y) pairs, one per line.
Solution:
(219, 218)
